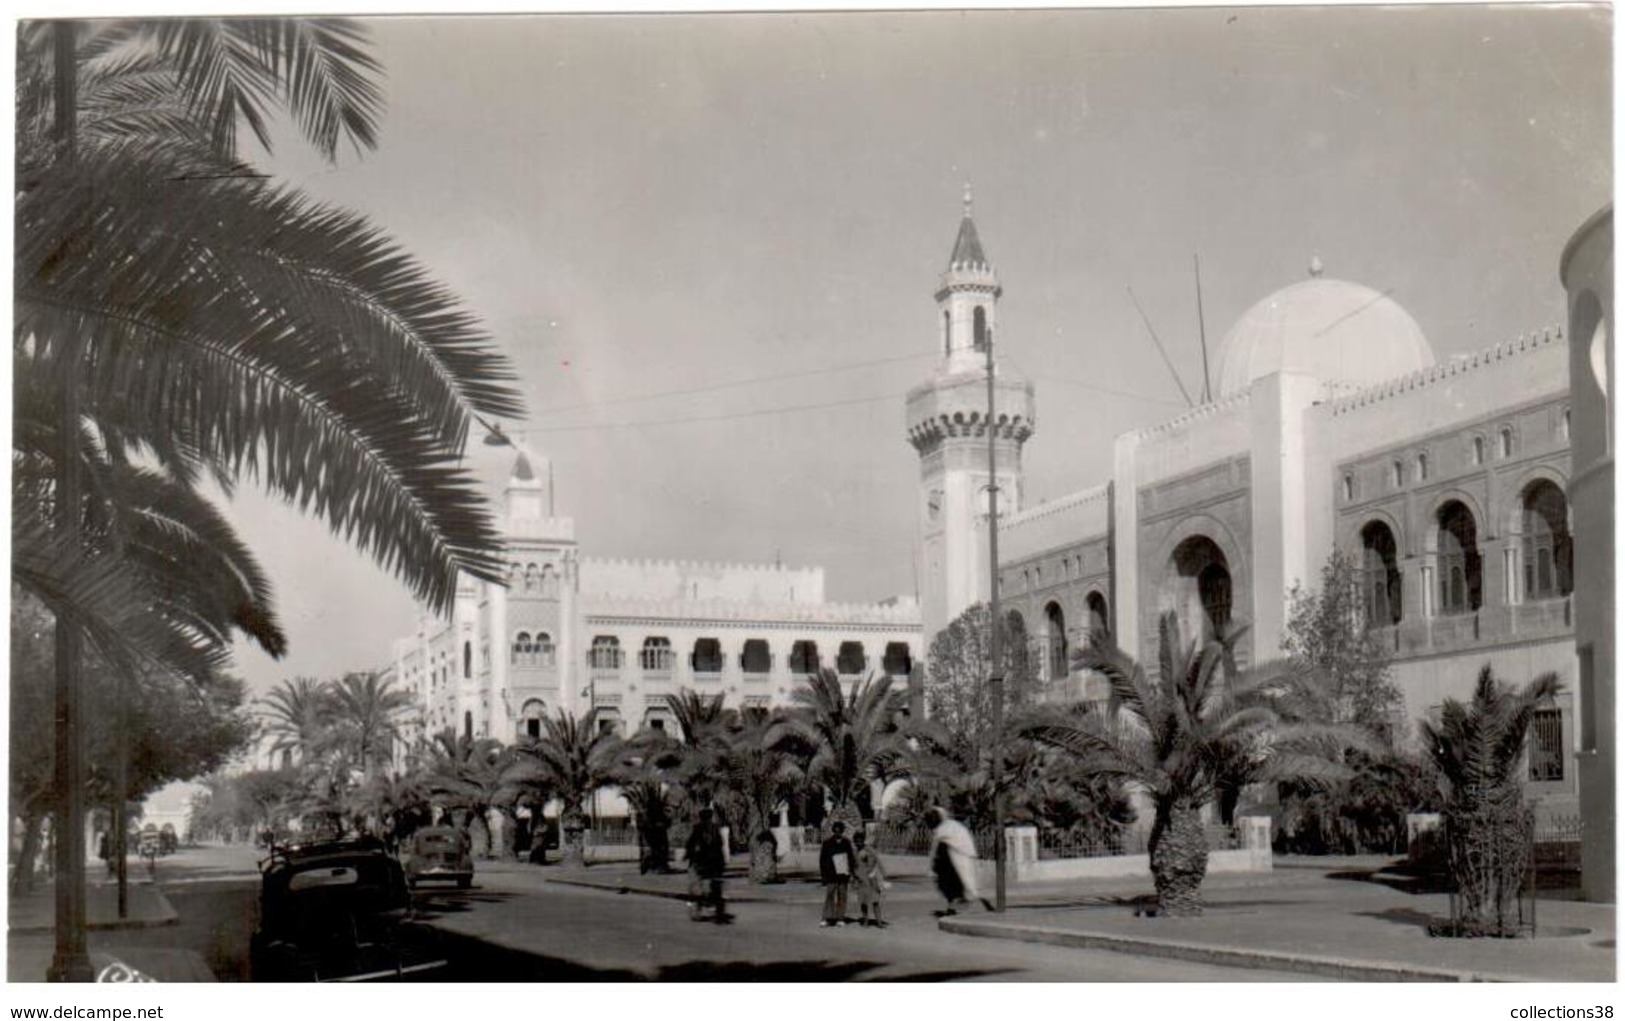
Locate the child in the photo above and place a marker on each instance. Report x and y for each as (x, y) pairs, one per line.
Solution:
(868, 881)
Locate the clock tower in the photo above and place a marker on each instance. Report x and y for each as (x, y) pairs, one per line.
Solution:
(948, 424)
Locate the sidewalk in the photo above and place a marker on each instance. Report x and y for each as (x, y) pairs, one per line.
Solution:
(30, 941)
(1342, 919)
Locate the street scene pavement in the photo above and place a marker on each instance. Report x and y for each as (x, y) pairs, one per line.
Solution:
(1307, 921)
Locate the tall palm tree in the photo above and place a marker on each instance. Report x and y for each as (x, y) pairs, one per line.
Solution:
(574, 759)
(1479, 749)
(364, 716)
(1182, 735)
(643, 769)
(296, 714)
(856, 736)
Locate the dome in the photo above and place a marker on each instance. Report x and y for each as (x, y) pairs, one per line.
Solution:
(1339, 332)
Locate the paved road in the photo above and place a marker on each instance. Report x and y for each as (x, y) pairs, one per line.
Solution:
(516, 927)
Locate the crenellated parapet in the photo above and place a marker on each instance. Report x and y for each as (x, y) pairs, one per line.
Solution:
(1084, 498)
(899, 613)
(1201, 413)
(1454, 368)
(954, 406)
(696, 580)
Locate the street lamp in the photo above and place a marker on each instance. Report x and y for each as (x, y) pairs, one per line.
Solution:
(996, 645)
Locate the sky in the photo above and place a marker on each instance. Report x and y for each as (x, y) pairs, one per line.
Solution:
(710, 243)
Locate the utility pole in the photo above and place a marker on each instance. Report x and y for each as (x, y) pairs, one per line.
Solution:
(995, 682)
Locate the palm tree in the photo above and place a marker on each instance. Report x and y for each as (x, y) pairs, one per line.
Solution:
(296, 712)
(475, 775)
(856, 736)
(1479, 748)
(643, 768)
(760, 766)
(574, 760)
(363, 713)
(1179, 737)
(702, 726)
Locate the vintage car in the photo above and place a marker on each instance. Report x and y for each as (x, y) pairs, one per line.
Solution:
(336, 911)
(439, 852)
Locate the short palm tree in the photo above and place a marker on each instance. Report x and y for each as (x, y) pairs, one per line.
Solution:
(574, 759)
(702, 726)
(760, 767)
(855, 736)
(1179, 737)
(1479, 748)
(643, 768)
(476, 775)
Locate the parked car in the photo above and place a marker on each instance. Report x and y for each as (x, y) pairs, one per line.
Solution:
(336, 911)
(439, 852)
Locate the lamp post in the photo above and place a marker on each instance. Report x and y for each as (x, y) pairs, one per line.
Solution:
(995, 681)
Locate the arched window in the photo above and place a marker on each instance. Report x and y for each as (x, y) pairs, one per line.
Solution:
(1348, 488)
(755, 658)
(804, 657)
(1055, 650)
(605, 653)
(550, 582)
(1422, 467)
(849, 658)
(1461, 568)
(898, 661)
(707, 656)
(468, 660)
(1548, 549)
(1381, 583)
(530, 577)
(1478, 450)
(468, 726)
(1564, 426)
(1396, 474)
(656, 654)
(543, 649)
(522, 649)
(979, 328)
(947, 334)
(1100, 625)
(1506, 441)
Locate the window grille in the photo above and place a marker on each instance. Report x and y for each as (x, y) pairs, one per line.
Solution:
(1546, 745)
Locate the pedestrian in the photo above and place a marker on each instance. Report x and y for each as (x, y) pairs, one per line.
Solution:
(103, 851)
(868, 881)
(953, 861)
(706, 861)
(835, 866)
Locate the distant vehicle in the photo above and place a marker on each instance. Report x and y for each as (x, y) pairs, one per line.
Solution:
(150, 842)
(168, 843)
(336, 911)
(439, 852)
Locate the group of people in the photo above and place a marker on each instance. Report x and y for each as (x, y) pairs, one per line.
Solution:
(848, 867)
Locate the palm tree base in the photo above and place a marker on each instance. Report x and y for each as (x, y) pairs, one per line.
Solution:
(1179, 861)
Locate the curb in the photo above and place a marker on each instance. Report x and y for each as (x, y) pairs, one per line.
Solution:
(165, 916)
(1308, 964)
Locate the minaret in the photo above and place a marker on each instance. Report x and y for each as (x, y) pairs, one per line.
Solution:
(947, 424)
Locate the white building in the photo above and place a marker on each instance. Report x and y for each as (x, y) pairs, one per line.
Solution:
(1333, 426)
(570, 632)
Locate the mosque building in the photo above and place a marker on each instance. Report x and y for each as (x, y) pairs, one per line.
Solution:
(1334, 426)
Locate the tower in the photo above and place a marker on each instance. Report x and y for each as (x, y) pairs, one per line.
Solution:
(947, 423)
(532, 620)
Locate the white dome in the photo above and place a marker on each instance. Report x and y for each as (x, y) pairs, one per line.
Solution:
(1336, 331)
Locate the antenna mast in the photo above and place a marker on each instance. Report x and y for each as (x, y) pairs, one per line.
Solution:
(1201, 326)
(1161, 350)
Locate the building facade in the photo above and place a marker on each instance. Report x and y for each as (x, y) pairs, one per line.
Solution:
(1333, 426)
(619, 637)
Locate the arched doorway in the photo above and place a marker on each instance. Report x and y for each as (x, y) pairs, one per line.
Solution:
(1203, 592)
(1055, 644)
(1381, 585)
(1461, 567)
(1100, 625)
(1548, 548)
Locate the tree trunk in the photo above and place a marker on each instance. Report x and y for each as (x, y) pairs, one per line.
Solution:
(1178, 858)
(22, 875)
(572, 845)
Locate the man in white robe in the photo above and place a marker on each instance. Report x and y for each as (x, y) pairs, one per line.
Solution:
(953, 860)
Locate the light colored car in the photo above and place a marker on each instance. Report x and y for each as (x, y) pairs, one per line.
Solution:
(439, 852)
